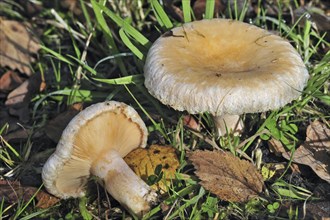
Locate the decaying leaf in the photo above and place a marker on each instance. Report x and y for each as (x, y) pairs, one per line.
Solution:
(318, 135)
(18, 100)
(276, 147)
(302, 155)
(227, 176)
(16, 46)
(144, 162)
(190, 122)
(315, 151)
(9, 81)
(13, 192)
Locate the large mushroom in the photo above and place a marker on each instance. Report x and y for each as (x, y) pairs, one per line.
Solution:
(223, 67)
(94, 143)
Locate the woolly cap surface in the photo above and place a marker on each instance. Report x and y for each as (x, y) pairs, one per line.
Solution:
(223, 67)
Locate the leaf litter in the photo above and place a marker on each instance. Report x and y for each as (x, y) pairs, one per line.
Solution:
(314, 152)
(227, 176)
(14, 192)
(146, 163)
(17, 46)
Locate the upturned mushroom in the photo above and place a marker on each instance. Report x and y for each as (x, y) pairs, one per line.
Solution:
(224, 67)
(94, 143)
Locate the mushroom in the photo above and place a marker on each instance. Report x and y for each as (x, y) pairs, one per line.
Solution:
(223, 67)
(94, 143)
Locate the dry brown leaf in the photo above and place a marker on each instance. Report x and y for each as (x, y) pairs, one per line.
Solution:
(227, 176)
(318, 135)
(318, 209)
(315, 151)
(9, 81)
(144, 161)
(276, 147)
(46, 200)
(305, 156)
(13, 192)
(55, 127)
(190, 122)
(16, 46)
(18, 100)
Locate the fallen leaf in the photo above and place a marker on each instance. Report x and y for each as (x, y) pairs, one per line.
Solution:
(144, 162)
(55, 127)
(46, 200)
(314, 14)
(19, 99)
(318, 135)
(305, 156)
(318, 209)
(190, 122)
(314, 152)
(9, 81)
(270, 170)
(17, 45)
(227, 176)
(276, 147)
(14, 192)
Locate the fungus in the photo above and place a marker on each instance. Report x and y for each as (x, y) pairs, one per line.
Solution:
(223, 67)
(94, 143)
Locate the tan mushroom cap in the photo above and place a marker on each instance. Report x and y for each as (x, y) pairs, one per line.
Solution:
(87, 138)
(223, 67)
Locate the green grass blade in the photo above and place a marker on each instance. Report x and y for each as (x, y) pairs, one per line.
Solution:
(134, 79)
(244, 11)
(129, 29)
(57, 55)
(186, 11)
(107, 32)
(130, 45)
(161, 15)
(84, 65)
(209, 9)
(83, 210)
(86, 14)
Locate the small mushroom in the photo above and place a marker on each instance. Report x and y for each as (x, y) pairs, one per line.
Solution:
(224, 67)
(94, 143)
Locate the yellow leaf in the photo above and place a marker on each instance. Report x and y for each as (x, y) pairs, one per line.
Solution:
(144, 162)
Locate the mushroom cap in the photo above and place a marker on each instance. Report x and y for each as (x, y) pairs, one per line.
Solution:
(223, 67)
(100, 127)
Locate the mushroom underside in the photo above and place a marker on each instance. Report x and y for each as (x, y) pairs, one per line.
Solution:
(94, 144)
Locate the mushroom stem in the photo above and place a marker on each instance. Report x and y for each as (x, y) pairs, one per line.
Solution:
(228, 123)
(123, 184)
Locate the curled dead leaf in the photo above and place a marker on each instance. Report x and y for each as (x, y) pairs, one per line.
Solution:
(144, 162)
(227, 176)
